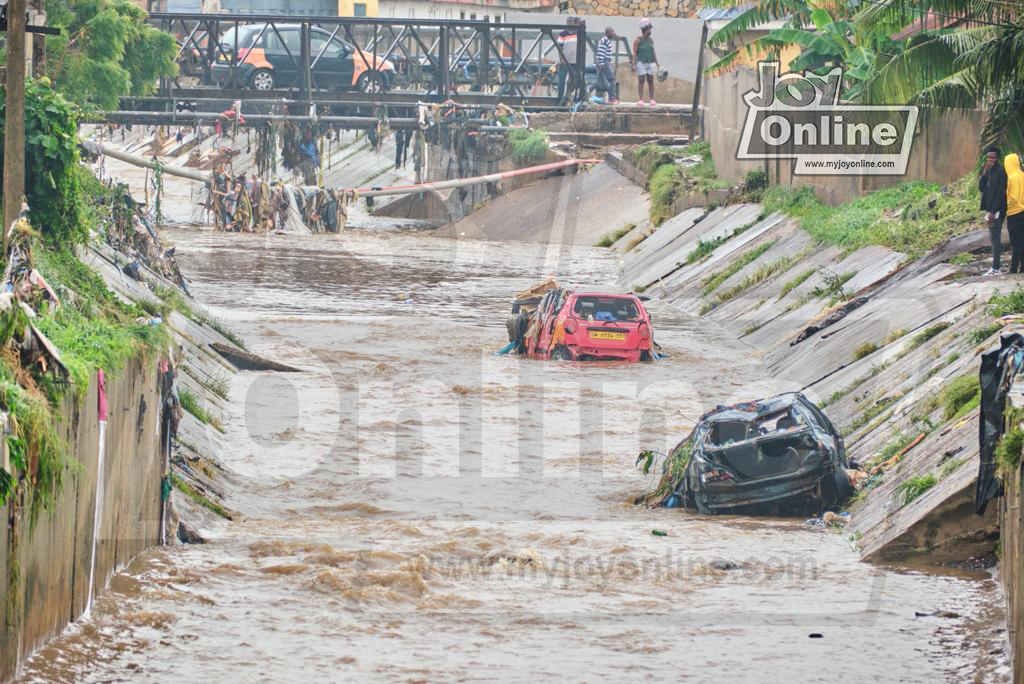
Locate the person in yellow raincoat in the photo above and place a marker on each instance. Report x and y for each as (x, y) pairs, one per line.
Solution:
(1015, 211)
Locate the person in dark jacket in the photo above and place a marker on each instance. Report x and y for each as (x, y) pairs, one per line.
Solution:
(992, 183)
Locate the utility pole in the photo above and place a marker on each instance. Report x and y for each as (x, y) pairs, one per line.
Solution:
(14, 117)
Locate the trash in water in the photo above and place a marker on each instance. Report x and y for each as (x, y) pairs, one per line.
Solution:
(659, 533)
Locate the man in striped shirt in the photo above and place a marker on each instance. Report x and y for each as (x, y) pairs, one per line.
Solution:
(605, 69)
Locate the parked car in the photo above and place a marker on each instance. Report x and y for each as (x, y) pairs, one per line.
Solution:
(772, 456)
(269, 58)
(554, 323)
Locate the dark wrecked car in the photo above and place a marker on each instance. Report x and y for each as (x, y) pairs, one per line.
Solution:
(772, 456)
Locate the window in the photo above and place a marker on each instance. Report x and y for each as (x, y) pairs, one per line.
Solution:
(472, 17)
(359, 9)
(462, 16)
(317, 42)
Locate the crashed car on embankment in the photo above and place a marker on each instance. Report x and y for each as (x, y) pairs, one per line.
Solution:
(550, 322)
(771, 456)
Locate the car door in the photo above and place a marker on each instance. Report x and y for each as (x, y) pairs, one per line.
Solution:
(283, 51)
(330, 62)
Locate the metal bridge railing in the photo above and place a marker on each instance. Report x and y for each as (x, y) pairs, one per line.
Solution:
(515, 63)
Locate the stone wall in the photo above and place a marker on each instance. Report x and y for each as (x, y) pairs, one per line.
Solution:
(51, 561)
(636, 8)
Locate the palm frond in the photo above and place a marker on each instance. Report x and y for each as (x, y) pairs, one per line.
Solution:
(758, 14)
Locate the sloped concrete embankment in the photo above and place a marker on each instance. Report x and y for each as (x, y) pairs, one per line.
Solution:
(573, 209)
(47, 569)
(880, 340)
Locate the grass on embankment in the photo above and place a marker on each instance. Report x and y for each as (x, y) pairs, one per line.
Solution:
(667, 180)
(910, 217)
(190, 403)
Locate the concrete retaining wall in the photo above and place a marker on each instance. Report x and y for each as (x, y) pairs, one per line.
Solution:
(945, 148)
(51, 562)
(1011, 571)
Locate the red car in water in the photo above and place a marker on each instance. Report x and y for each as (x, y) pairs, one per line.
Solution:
(583, 325)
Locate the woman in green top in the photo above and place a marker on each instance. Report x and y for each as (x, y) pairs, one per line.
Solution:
(646, 61)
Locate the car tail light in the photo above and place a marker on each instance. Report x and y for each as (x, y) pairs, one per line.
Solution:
(645, 330)
(570, 325)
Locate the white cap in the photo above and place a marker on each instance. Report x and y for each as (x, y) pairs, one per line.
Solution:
(644, 23)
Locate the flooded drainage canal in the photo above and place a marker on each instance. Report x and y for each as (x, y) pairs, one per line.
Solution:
(419, 508)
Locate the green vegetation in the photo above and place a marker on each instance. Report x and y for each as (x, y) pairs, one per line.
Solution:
(961, 396)
(174, 299)
(526, 144)
(218, 384)
(981, 334)
(667, 181)
(893, 448)
(609, 239)
(953, 356)
(952, 466)
(1008, 451)
(895, 334)
(190, 403)
(871, 412)
(795, 282)
(662, 185)
(203, 501)
(762, 273)
(962, 259)
(105, 50)
(1000, 305)
(832, 288)
(712, 282)
(35, 446)
(910, 217)
(52, 173)
(914, 487)
(706, 247)
(927, 334)
(864, 350)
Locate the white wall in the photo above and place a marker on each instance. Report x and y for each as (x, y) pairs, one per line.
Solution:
(419, 9)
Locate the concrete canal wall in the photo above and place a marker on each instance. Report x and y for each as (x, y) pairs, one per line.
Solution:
(47, 569)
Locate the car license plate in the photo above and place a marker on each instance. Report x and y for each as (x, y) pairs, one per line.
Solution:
(607, 335)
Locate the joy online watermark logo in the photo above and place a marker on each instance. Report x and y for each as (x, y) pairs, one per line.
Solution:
(799, 116)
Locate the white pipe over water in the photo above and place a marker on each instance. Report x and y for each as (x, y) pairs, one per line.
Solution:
(363, 192)
(97, 513)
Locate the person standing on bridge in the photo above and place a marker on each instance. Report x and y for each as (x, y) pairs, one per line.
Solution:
(646, 61)
(567, 41)
(605, 70)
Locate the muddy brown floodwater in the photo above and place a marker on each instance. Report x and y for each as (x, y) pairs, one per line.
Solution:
(417, 508)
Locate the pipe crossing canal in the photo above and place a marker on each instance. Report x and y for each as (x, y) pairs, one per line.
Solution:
(417, 508)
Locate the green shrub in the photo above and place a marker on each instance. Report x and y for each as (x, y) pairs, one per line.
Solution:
(190, 403)
(927, 334)
(960, 396)
(526, 144)
(1006, 304)
(910, 217)
(661, 187)
(1008, 451)
(795, 282)
(866, 349)
(755, 180)
(914, 487)
(981, 334)
(832, 288)
(52, 177)
(715, 279)
(609, 239)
